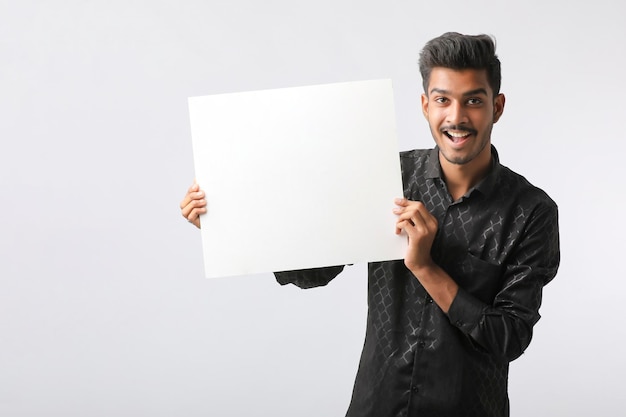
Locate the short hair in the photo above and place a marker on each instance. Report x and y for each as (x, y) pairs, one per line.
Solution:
(458, 52)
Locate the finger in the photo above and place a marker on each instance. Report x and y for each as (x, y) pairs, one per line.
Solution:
(403, 202)
(415, 222)
(400, 225)
(194, 217)
(408, 213)
(191, 196)
(407, 227)
(419, 222)
(426, 218)
(192, 189)
(191, 205)
(415, 209)
(195, 213)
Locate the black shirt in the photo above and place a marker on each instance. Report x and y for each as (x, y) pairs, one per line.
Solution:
(500, 243)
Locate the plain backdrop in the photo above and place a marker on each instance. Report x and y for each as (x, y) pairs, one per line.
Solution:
(104, 310)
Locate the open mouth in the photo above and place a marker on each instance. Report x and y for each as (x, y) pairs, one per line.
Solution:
(456, 135)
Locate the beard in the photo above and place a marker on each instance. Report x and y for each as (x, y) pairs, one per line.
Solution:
(462, 158)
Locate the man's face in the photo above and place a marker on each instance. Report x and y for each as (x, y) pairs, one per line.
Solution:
(461, 110)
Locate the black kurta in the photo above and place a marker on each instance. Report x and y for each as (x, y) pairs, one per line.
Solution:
(500, 243)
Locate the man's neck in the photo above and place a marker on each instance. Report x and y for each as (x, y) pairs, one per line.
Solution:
(460, 178)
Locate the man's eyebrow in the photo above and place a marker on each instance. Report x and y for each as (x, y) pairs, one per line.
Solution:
(467, 93)
(476, 92)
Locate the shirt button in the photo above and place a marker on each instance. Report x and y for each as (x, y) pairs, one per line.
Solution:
(421, 345)
(414, 388)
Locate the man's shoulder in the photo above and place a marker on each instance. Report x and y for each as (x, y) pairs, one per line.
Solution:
(415, 153)
(416, 164)
(415, 158)
(513, 184)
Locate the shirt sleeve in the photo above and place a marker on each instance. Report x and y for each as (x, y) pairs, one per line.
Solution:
(308, 278)
(504, 328)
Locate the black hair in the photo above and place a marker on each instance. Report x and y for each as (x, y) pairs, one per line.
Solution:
(458, 52)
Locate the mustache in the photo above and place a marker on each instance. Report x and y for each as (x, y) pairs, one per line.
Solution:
(458, 127)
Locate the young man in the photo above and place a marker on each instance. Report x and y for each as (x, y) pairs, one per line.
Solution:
(444, 323)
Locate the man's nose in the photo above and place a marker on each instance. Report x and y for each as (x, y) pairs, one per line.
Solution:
(456, 114)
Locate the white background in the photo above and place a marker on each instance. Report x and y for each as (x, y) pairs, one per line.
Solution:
(104, 310)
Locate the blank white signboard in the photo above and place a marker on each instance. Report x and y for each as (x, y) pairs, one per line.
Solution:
(298, 177)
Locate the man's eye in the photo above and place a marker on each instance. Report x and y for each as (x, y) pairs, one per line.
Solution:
(474, 101)
(441, 99)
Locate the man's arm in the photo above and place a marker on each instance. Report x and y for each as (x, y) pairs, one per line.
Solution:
(504, 328)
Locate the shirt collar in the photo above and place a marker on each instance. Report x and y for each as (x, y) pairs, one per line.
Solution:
(486, 186)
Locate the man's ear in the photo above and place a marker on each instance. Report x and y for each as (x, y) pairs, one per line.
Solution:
(498, 107)
(425, 105)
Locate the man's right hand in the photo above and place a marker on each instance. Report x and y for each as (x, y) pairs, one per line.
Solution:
(193, 205)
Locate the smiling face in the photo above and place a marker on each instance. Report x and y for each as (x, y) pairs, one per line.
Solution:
(461, 110)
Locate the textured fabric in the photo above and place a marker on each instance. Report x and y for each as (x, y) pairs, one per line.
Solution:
(500, 243)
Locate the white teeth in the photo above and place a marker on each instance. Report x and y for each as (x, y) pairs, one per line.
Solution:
(457, 135)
